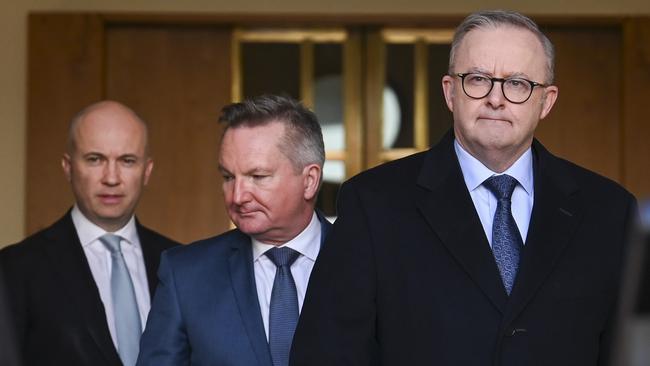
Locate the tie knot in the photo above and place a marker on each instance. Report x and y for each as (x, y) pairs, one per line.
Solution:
(501, 186)
(111, 242)
(282, 256)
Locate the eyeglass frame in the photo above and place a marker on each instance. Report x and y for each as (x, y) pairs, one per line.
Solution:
(533, 84)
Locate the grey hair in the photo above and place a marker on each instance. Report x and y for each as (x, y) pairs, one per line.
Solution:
(496, 18)
(302, 142)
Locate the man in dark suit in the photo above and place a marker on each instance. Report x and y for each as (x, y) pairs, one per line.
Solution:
(80, 289)
(484, 250)
(234, 299)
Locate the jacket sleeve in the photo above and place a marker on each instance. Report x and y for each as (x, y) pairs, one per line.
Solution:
(165, 340)
(611, 346)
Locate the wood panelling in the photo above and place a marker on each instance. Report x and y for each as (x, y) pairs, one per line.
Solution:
(177, 79)
(375, 79)
(636, 120)
(585, 124)
(352, 95)
(175, 72)
(65, 75)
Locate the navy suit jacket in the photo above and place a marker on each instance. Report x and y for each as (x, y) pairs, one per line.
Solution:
(206, 310)
(407, 276)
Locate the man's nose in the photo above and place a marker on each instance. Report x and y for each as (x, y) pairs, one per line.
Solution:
(241, 191)
(495, 98)
(111, 174)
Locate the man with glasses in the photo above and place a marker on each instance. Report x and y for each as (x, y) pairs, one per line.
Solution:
(484, 250)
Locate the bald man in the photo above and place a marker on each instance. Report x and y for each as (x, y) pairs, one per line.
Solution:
(81, 289)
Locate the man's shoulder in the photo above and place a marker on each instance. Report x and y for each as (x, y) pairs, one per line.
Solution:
(397, 171)
(149, 237)
(214, 248)
(589, 182)
(44, 237)
(407, 172)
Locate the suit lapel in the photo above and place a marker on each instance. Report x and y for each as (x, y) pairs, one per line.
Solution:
(556, 213)
(447, 207)
(325, 227)
(151, 257)
(243, 285)
(69, 261)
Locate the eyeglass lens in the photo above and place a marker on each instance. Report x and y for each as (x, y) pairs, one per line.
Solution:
(479, 86)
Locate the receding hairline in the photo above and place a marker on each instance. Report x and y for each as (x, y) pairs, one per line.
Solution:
(496, 19)
(105, 104)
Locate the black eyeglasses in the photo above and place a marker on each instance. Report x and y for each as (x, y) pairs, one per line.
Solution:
(515, 90)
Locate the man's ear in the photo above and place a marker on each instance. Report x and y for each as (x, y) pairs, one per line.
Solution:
(147, 170)
(448, 91)
(312, 174)
(67, 166)
(550, 96)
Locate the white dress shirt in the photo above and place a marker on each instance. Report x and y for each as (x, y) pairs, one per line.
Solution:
(307, 243)
(475, 173)
(99, 259)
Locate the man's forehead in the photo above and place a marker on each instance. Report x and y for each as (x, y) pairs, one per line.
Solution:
(501, 49)
(111, 118)
(126, 136)
(247, 148)
(265, 134)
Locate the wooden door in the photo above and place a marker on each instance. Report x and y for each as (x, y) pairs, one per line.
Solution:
(176, 77)
(585, 123)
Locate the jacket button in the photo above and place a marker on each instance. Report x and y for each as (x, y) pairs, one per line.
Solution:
(513, 331)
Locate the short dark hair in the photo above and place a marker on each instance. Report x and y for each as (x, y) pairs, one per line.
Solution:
(302, 143)
(495, 18)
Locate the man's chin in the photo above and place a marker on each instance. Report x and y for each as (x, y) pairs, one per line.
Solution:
(252, 228)
(496, 141)
(111, 221)
(112, 213)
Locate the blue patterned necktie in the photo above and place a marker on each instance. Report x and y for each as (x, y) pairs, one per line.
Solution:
(506, 239)
(128, 328)
(283, 311)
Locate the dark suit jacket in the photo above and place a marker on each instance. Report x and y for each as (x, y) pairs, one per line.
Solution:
(407, 276)
(206, 310)
(8, 349)
(60, 318)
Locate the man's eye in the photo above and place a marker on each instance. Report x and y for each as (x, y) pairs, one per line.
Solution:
(227, 178)
(477, 79)
(93, 159)
(259, 176)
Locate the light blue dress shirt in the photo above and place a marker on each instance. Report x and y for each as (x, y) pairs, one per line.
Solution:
(475, 173)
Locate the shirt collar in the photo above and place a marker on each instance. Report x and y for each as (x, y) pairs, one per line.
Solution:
(306, 243)
(475, 173)
(88, 232)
